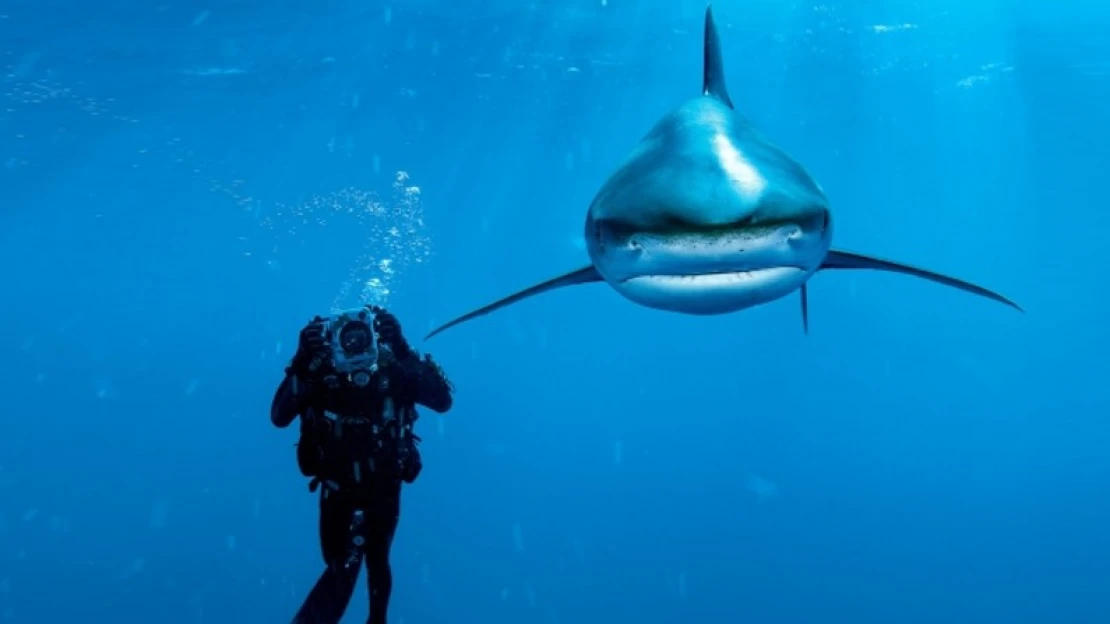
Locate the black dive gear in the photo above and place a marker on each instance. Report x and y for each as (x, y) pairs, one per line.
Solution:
(350, 446)
(420, 380)
(309, 451)
(353, 530)
(355, 383)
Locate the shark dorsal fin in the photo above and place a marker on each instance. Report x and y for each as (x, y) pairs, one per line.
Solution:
(713, 72)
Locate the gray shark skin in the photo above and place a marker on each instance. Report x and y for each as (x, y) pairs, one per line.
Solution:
(707, 216)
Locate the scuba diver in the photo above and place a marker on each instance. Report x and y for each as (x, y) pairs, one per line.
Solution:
(355, 383)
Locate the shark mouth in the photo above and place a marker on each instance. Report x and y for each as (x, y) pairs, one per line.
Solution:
(715, 279)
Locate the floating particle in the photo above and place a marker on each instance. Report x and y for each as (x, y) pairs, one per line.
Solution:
(518, 539)
(579, 550)
(59, 524)
(762, 488)
(158, 513)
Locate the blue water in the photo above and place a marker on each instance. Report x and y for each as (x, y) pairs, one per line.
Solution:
(183, 185)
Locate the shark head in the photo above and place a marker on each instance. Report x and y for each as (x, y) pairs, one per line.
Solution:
(706, 216)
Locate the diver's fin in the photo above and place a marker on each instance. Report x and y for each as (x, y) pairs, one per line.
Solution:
(847, 260)
(584, 275)
(328, 598)
(713, 69)
(805, 308)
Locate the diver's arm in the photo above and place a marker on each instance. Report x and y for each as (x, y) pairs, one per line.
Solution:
(429, 385)
(290, 400)
(435, 389)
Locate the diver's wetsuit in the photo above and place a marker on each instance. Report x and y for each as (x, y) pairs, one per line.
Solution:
(360, 457)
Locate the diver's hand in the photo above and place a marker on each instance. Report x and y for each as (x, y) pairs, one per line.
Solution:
(313, 349)
(389, 332)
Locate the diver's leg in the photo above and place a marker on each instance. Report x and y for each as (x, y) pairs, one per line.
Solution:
(329, 597)
(383, 524)
(336, 514)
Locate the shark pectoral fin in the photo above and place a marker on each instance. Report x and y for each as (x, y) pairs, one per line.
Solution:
(713, 69)
(584, 275)
(805, 309)
(847, 260)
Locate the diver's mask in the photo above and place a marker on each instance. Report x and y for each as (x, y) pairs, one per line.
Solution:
(355, 347)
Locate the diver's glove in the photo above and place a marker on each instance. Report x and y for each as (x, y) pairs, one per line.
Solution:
(389, 333)
(313, 351)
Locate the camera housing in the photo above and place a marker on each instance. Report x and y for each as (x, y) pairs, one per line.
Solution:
(354, 345)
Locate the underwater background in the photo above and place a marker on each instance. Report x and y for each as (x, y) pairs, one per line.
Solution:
(184, 184)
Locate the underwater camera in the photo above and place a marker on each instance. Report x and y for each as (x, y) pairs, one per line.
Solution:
(354, 346)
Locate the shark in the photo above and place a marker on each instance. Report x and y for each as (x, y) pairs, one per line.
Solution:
(707, 216)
